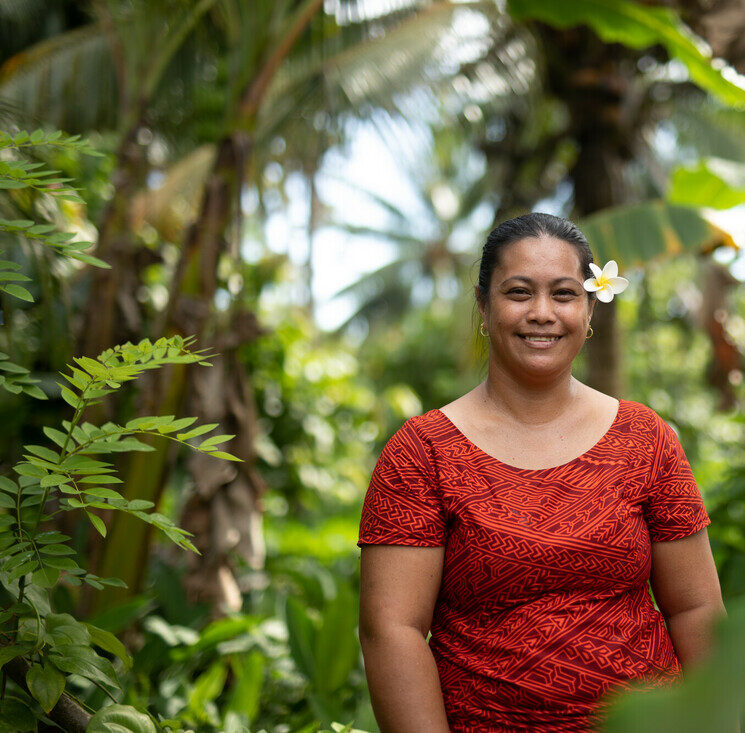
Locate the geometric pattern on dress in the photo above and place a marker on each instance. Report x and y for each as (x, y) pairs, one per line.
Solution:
(544, 611)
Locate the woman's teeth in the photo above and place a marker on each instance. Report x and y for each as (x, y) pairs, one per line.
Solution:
(535, 338)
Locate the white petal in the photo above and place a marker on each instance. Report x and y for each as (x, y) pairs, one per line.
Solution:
(619, 284)
(605, 295)
(610, 270)
(591, 285)
(596, 270)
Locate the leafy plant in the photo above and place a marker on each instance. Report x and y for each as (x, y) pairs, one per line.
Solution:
(41, 649)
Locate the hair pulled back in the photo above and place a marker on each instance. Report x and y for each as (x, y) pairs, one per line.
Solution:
(536, 224)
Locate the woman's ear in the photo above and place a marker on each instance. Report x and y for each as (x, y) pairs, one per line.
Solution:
(482, 311)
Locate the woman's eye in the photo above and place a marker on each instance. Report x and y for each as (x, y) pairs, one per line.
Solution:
(520, 291)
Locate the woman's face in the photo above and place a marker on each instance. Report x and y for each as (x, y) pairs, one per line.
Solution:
(537, 290)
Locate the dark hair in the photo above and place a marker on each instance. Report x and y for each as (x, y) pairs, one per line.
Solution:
(536, 225)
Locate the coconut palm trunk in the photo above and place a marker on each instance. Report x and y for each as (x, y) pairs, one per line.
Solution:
(594, 80)
(190, 312)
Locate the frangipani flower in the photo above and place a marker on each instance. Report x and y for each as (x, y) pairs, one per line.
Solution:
(606, 282)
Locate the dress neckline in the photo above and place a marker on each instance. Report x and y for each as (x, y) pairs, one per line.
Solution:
(456, 430)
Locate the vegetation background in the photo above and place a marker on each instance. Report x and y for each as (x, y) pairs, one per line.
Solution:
(239, 173)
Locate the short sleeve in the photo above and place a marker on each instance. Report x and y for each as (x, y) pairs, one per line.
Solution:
(674, 507)
(403, 504)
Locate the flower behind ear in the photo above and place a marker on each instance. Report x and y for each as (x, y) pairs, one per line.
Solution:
(606, 282)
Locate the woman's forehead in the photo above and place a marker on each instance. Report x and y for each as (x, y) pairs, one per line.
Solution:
(540, 258)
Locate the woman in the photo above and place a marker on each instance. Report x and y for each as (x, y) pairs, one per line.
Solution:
(520, 523)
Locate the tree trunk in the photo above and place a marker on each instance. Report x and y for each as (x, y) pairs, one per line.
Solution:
(725, 366)
(593, 78)
(127, 548)
(189, 312)
(112, 313)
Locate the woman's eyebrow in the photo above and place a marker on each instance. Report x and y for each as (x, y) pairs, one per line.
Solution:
(529, 280)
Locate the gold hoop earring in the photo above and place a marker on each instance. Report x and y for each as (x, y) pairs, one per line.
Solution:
(481, 330)
(591, 333)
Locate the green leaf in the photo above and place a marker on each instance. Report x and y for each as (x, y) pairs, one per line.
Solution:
(56, 550)
(34, 391)
(107, 641)
(69, 396)
(9, 366)
(63, 628)
(46, 577)
(7, 502)
(11, 652)
(636, 26)
(21, 570)
(93, 367)
(97, 522)
(214, 440)
(55, 436)
(46, 684)
(208, 686)
(120, 718)
(182, 423)
(139, 504)
(28, 469)
(713, 182)
(226, 456)
(302, 636)
(336, 646)
(9, 485)
(147, 422)
(62, 563)
(51, 536)
(6, 276)
(16, 715)
(116, 582)
(103, 493)
(82, 660)
(100, 479)
(18, 291)
(197, 431)
(89, 259)
(248, 675)
(54, 479)
(637, 234)
(43, 452)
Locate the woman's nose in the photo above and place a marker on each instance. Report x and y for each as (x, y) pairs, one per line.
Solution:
(541, 307)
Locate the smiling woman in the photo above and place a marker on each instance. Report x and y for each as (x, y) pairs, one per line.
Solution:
(520, 524)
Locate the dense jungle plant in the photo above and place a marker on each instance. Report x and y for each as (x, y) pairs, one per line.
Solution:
(42, 649)
(47, 653)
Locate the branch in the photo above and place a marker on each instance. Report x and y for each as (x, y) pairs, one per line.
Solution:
(66, 713)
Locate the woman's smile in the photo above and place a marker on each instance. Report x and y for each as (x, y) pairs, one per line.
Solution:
(536, 343)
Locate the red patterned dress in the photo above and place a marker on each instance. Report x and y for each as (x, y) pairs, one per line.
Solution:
(543, 607)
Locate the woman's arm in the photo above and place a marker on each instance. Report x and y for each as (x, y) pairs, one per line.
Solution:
(686, 587)
(398, 589)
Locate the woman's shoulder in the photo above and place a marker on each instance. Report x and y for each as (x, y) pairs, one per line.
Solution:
(643, 416)
(411, 440)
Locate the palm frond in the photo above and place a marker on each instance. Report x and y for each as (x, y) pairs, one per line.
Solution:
(404, 64)
(66, 81)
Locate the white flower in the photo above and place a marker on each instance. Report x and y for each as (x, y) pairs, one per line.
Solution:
(606, 282)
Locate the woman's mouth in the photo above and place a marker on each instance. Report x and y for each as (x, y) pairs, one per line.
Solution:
(540, 342)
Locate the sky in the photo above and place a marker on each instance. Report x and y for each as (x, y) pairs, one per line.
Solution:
(339, 258)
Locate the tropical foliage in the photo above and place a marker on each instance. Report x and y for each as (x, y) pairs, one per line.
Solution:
(208, 125)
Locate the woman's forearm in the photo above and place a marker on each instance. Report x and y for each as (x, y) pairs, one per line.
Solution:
(692, 633)
(403, 681)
